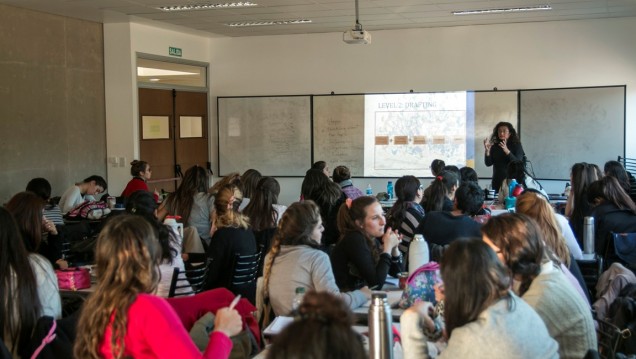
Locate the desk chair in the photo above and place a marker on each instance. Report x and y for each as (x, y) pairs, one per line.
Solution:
(244, 275)
(189, 281)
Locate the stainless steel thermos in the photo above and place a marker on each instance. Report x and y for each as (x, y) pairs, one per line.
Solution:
(588, 235)
(380, 328)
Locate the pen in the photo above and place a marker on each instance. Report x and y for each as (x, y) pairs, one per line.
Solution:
(235, 302)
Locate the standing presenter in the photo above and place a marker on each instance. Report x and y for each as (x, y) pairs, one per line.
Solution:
(502, 147)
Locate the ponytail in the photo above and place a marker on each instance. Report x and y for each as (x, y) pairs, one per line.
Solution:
(440, 189)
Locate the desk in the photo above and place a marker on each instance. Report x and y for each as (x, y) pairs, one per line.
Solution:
(393, 297)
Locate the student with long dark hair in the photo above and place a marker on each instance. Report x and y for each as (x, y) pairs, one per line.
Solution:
(81, 192)
(192, 202)
(483, 318)
(122, 320)
(296, 260)
(578, 206)
(40, 234)
(519, 244)
(328, 196)
(406, 213)
(249, 181)
(264, 211)
(502, 147)
(442, 193)
(42, 188)
(613, 211)
(28, 287)
(367, 250)
(615, 169)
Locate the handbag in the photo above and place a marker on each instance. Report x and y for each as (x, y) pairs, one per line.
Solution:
(625, 247)
(420, 285)
(73, 278)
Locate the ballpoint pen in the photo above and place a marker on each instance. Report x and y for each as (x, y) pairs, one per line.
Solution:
(235, 302)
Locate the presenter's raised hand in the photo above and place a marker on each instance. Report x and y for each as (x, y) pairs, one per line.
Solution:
(487, 145)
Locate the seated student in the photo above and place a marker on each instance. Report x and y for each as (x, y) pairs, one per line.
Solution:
(81, 192)
(442, 193)
(249, 181)
(295, 260)
(407, 213)
(328, 196)
(538, 279)
(142, 203)
(517, 170)
(468, 174)
(231, 235)
(323, 330)
(322, 167)
(615, 169)
(342, 176)
(494, 323)
(577, 206)
(26, 208)
(613, 211)
(192, 202)
(42, 188)
(437, 166)
(367, 251)
(29, 287)
(141, 172)
(121, 318)
(440, 228)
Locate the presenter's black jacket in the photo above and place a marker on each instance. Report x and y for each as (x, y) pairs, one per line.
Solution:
(499, 160)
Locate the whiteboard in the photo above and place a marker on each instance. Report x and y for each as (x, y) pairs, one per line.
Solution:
(339, 131)
(560, 127)
(490, 109)
(269, 134)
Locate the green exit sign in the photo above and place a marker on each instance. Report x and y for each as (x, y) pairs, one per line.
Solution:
(174, 51)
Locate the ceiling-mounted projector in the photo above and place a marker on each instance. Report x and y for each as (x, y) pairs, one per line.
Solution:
(356, 36)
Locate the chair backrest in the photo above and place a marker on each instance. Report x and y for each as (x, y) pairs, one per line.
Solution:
(609, 337)
(244, 275)
(189, 281)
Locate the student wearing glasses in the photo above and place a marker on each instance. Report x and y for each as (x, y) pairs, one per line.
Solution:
(82, 192)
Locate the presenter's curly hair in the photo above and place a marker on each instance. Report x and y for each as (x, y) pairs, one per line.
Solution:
(127, 256)
(321, 330)
(514, 138)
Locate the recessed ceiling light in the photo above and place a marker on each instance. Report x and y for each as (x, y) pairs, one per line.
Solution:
(267, 23)
(195, 7)
(504, 10)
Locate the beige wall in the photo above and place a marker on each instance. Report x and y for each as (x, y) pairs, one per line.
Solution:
(52, 121)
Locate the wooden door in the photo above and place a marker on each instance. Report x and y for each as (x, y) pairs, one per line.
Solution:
(160, 139)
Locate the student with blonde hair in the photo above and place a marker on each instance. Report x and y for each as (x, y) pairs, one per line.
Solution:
(296, 260)
(121, 320)
(231, 236)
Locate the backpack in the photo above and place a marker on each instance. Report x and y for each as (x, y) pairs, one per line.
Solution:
(89, 210)
(420, 285)
(622, 313)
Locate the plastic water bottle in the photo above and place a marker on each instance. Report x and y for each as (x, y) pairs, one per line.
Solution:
(511, 201)
(511, 187)
(369, 190)
(298, 298)
(418, 253)
(389, 189)
(588, 235)
(380, 323)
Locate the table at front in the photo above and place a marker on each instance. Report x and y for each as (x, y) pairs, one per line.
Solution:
(393, 297)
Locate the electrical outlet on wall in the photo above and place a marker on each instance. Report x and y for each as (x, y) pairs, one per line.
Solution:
(122, 161)
(113, 161)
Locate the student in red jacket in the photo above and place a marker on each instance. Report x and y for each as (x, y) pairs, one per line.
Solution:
(141, 172)
(121, 320)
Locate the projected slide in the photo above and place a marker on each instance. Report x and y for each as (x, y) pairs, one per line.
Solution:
(405, 132)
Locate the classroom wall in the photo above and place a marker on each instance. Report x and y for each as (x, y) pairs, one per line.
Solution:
(52, 121)
(512, 56)
(123, 41)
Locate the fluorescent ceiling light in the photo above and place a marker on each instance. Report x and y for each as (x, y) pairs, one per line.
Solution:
(505, 10)
(266, 23)
(147, 71)
(195, 7)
